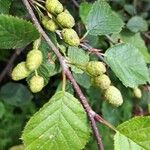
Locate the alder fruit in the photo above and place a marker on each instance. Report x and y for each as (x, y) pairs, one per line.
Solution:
(66, 20)
(70, 37)
(54, 6)
(36, 84)
(95, 68)
(113, 96)
(49, 24)
(103, 82)
(20, 72)
(34, 59)
(137, 92)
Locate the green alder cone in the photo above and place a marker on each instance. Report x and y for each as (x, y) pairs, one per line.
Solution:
(103, 82)
(113, 96)
(95, 68)
(70, 37)
(54, 6)
(49, 24)
(20, 72)
(36, 84)
(34, 59)
(65, 19)
(137, 92)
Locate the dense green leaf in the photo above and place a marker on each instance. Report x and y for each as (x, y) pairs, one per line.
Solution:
(134, 39)
(121, 142)
(120, 114)
(60, 124)
(83, 79)
(15, 94)
(15, 32)
(128, 64)
(5, 6)
(137, 23)
(137, 130)
(2, 110)
(77, 56)
(102, 20)
(85, 7)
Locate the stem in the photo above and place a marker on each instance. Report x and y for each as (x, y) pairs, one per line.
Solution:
(76, 3)
(63, 81)
(91, 114)
(11, 61)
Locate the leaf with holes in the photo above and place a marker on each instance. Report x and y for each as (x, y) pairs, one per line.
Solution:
(60, 124)
(15, 32)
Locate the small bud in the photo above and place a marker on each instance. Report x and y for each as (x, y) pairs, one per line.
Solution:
(137, 92)
(103, 82)
(49, 24)
(36, 84)
(66, 20)
(20, 72)
(54, 6)
(113, 96)
(95, 68)
(70, 37)
(34, 59)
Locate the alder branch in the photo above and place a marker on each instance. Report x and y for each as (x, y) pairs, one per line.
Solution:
(9, 64)
(82, 98)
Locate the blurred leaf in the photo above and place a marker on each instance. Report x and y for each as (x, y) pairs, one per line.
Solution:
(137, 24)
(4, 54)
(61, 121)
(2, 110)
(117, 115)
(15, 94)
(102, 20)
(18, 9)
(5, 6)
(85, 8)
(129, 9)
(121, 142)
(136, 130)
(83, 79)
(77, 56)
(128, 64)
(15, 32)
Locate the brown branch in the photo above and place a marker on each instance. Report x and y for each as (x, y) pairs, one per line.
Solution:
(11, 61)
(82, 98)
(76, 3)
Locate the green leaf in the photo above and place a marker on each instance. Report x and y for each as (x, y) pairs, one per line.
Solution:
(5, 6)
(15, 32)
(85, 8)
(137, 130)
(102, 20)
(137, 24)
(2, 110)
(128, 64)
(134, 39)
(77, 56)
(15, 94)
(83, 79)
(122, 142)
(60, 124)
